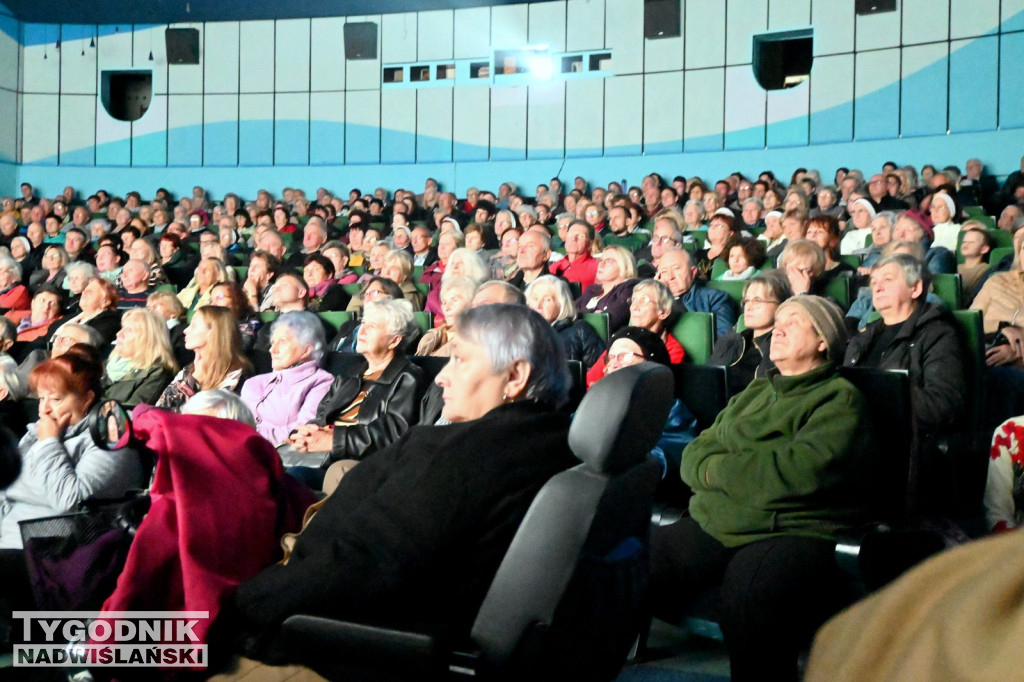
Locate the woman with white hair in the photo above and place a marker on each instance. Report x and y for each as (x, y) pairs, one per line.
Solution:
(447, 242)
(462, 263)
(79, 274)
(397, 266)
(142, 363)
(456, 296)
(21, 252)
(289, 395)
(13, 294)
(859, 228)
(220, 403)
(373, 402)
(550, 296)
(944, 215)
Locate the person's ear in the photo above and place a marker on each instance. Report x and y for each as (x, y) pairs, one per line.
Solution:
(917, 290)
(518, 380)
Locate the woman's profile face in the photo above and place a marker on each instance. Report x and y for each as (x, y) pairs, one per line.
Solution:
(94, 299)
(445, 245)
(759, 307)
(76, 281)
(544, 301)
(285, 350)
(18, 251)
(401, 239)
(452, 304)
(469, 386)
(197, 333)
(374, 338)
(127, 339)
(314, 274)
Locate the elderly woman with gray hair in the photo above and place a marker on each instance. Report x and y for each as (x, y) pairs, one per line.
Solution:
(439, 499)
(550, 296)
(289, 395)
(13, 294)
(13, 390)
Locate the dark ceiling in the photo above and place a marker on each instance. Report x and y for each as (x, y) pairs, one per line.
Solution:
(173, 11)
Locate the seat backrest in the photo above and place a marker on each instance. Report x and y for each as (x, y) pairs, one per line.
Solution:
(732, 287)
(839, 289)
(891, 497)
(947, 288)
(424, 319)
(618, 422)
(703, 389)
(334, 319)
(600, 322)
(695, 332)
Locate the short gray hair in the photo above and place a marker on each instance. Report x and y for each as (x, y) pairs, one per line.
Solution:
(914, 270)
(466, 285)
(92, 337)
(222, 403)
(88, 268)
(307, 329)
(11, 380)
(662, 294)
(397, 313)
(566, 306)
(509, 333)
(8, 264)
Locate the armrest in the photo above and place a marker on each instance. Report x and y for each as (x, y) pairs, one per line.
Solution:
(324, 643)
(880, 555)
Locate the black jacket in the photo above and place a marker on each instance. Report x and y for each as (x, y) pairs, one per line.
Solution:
(745, 357)
(413, 536)
(579, 341)
(930, 347)
(391, 406)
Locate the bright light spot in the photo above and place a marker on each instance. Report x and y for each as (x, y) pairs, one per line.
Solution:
(540, 67)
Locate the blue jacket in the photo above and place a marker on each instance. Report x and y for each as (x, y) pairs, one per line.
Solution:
(703, 300)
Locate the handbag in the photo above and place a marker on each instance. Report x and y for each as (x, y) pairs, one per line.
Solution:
(74, 559)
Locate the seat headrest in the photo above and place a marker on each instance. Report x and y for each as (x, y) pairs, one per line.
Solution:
(622, 417)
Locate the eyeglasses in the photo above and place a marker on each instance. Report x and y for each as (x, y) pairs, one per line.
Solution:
(642, 300)
(756, 300)
(624, 356)
(665, 240)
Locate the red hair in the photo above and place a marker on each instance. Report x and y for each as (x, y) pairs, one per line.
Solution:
(78, 371)
(109, 290)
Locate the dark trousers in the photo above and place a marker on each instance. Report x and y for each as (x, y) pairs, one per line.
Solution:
(774, 593)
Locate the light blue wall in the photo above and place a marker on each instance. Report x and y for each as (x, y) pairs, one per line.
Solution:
(275, 103)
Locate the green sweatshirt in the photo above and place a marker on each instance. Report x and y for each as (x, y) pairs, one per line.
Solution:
(784, 457)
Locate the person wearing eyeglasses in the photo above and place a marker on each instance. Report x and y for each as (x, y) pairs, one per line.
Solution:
(747, 353)
(668, 234)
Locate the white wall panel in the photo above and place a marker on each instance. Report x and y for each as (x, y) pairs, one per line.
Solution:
(624, 35)
(663, 113)
(833, 22)
(473, 27)
(149, 135)
(585, 22)
(256, 130)
(547, 25)
(327, 54)
(876, 108)
(925, 21)
(9, 54)
(291, 129)
(114, 50)
(398, 38)
(470, 127)
(789, 14)
(9, 132)
(185, 130)
(77, 129)
(78, 71)
(327, 128)
(220, 130)
(41, 66)
(584, 117)
(508, 123)
(291, 63)
(509, 26)
(113, 138)
(256, 57)
(1012, 14)
(364, 74)
(705, 33)
(40, 125)
(398, 125)
(745, 18)
(545, 121)
(221, 64)
(434, 125)
(663, 54)
(188, 78)
(362, 127)
(623, 96)
(150, 41)
(744, 109)
(788, 124)
(831, 86)
(970, 18)
(437, 27)
(876, 31)
(703, 114)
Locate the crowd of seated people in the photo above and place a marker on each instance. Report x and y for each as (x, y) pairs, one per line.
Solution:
(178, 299)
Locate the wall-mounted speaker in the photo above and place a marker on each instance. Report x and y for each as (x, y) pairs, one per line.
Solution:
(182, 45)
(874, 6)
(783, 59)
(662, 19)
(361, 40)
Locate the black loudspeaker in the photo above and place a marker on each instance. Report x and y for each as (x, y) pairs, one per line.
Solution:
(182, 45)
(662, 18)
(361, 40)
(874, 6)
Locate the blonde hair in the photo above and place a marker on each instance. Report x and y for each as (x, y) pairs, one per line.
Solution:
(224, 353)
(803, 248)
(171, 300)
(153, 344)
(622, 256)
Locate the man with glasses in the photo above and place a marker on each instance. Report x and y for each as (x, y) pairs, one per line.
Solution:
(667, 235)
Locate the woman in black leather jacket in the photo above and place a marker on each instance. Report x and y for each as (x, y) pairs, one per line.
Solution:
(550, 296)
